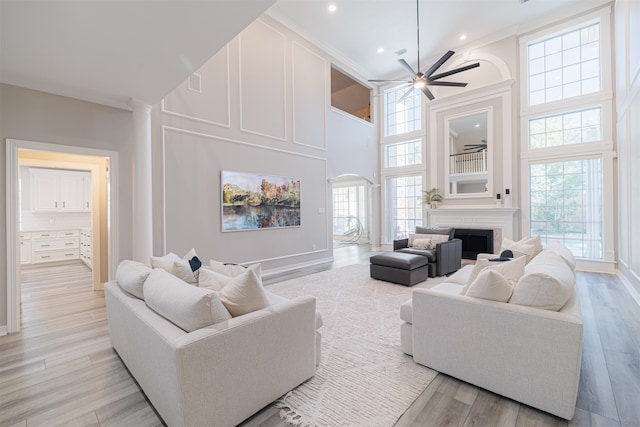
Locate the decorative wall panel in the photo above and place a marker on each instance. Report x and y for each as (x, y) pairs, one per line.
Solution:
(309, 97)
(262, 81)
(204, 96)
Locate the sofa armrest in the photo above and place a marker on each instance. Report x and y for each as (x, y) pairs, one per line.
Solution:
(401, 243)
(273, 350)
(448, 257)
(527, 354)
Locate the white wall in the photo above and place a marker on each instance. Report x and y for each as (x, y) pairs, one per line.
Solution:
(38, 116)
(261, 105)
(627, 53)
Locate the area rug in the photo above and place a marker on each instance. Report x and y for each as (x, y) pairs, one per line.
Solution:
(363, 379)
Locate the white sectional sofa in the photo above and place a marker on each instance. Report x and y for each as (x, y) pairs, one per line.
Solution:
(523, 352)
(216, 375)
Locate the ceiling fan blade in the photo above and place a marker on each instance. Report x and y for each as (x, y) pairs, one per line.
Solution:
(439, 63)
(407, 68)
(407, 93)
(389, 81)
(457, 70)
(427, 92)
(436, 83)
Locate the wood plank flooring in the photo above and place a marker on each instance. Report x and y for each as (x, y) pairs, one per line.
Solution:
(61, 370)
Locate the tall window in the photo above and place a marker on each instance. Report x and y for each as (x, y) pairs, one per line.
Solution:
(566, 204)
(402, 113)
(565, 65)
(567, 147)
(404, 208)
(403, 154)
(348, 209)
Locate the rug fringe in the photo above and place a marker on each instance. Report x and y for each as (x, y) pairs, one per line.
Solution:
(289, 415)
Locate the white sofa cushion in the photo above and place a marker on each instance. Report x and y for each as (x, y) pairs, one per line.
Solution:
(188, 307)
(131, 276)
(207, 278)
(232, 270)
(547, 283)
(491, 285)
(244, 293)
(536, 241)
(564, 252)
(164, 262)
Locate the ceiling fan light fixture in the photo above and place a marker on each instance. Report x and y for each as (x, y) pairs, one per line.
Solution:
(419, 83)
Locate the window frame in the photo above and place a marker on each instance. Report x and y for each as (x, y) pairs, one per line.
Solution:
(603, 149)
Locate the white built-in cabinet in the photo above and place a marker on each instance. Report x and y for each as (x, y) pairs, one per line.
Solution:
(54, 190)
(25, 248)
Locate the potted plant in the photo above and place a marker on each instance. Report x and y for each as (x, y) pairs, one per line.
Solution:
(431, 197)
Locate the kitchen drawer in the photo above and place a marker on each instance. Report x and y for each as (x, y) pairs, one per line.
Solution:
(50, 256)
(25, 236)
(45, 245)
(44, 235)
(68, 233)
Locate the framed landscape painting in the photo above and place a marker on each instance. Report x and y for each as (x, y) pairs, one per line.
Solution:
(252, 201)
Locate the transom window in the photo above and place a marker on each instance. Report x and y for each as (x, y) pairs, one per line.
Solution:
(403, 154)
(402, 113)
(566, 204)
(564, 129)
(565, 65)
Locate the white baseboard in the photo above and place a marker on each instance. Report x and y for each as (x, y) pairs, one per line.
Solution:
(280, 270)
(632, 290)
(3, 330)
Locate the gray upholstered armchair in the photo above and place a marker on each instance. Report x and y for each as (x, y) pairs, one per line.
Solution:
(446, 258)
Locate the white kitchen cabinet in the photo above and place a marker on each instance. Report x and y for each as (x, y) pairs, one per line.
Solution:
(54, 245)
(55, 190)
(86, 247)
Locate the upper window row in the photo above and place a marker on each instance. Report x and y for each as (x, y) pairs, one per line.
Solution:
(564, 66)
(402, 110)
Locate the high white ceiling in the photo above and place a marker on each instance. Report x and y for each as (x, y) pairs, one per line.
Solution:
(111, 51)
(357, 28)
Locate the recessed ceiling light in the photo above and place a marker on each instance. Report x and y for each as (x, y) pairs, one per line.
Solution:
(380, 49)
(332, 7)
(463, 37)
(477, 125)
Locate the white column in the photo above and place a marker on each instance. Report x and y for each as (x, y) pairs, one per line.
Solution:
(142, 203)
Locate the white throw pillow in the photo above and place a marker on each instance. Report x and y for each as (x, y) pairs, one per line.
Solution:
(188, 307)
(424, 244)
(536, 241)
(518, 249)
(244, 293)
(131, 275)
(164, 262)
(511, 270)
(182, 270)
(564, 252)
(208, 278)
(232, 270)
(547, 284)
(491, 285)
(436, 238)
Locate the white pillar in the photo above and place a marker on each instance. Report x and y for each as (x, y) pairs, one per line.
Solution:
(142, 202)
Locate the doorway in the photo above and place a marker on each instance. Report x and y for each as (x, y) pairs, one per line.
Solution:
(47, 162)
(351, 211)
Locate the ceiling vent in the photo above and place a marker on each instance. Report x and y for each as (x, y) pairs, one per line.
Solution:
(401, 52)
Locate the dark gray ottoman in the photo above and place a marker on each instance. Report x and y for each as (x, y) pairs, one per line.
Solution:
(398, 267)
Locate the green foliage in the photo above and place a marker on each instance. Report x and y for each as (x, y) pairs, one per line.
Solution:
(432, 195)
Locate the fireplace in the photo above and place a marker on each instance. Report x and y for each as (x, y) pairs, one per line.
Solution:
(474, 241)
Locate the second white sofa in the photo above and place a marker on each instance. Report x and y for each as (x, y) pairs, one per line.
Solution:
(525, 353)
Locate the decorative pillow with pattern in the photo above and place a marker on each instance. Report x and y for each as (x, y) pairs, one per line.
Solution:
(423, 244)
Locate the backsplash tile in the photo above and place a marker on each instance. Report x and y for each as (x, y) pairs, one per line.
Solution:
(44, 221)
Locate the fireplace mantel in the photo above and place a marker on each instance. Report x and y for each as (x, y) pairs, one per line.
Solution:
(505, 219)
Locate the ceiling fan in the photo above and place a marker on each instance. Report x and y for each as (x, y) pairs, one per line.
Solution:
(477, 147)
(421, 80)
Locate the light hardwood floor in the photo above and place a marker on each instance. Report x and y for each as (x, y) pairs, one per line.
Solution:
(61, 369)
